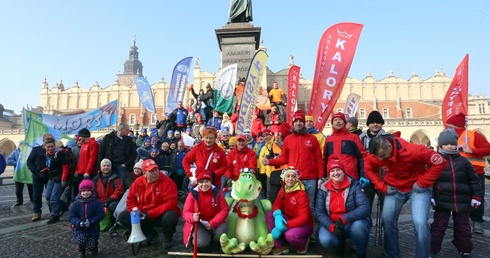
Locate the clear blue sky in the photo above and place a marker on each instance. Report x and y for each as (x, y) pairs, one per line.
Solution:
(89, 40)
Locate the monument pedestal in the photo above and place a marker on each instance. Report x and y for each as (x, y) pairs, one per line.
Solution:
(238, 43)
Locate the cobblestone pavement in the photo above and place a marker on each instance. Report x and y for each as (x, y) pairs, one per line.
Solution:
(19, 237)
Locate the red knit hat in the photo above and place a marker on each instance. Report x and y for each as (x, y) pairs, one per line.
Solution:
(334, 162)
(299, 115)
(339, 115)
(457, 120)
(202, 173)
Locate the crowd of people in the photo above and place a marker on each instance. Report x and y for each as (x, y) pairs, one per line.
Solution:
(321, 187)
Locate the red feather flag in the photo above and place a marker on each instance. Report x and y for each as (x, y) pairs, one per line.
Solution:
(456, 99)
(335, 54)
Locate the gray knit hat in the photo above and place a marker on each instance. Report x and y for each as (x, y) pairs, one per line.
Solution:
(448, 136)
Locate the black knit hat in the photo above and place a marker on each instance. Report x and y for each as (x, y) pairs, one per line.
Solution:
(84, 132)
(448, 136)
(375, 117)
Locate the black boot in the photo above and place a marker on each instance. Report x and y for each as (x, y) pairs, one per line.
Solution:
(53, 219)
(361, 255)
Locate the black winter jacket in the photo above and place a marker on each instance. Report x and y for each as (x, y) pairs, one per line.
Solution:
(106, 150)
(457, 185)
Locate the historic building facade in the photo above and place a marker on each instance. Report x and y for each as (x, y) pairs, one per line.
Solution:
(411, 106)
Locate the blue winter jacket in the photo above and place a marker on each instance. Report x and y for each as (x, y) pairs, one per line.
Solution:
(356, 203)
(80, 210)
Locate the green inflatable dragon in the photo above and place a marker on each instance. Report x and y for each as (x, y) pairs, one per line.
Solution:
(246, 220)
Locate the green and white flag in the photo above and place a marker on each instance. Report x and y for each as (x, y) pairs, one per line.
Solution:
(34, 137)
(224, 89)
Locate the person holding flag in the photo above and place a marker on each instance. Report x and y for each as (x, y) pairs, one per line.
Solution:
(474, 147)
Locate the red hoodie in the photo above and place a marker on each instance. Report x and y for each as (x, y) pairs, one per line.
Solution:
(200, 156)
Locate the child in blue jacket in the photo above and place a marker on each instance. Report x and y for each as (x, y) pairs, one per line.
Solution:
(85, 214)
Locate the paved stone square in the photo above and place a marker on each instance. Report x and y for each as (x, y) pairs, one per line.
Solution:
(19, 237)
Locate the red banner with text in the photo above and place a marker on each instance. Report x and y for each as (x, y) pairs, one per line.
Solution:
(335, 54)
(456, 99)
(293, 81)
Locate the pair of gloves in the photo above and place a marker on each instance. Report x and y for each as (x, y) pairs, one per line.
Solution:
(474, 203)
(85, 224)
(338, 229)
(280, 224)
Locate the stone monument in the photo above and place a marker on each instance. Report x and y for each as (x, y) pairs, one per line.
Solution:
(238, 41)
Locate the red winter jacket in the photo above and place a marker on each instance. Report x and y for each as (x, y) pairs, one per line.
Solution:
(200, 155)
(302, 151)
(408, 164)
(211, 205)
(103, 193)
(87, 161)
(155, 198)
(348, 147)
(240, 159)
(295, 206)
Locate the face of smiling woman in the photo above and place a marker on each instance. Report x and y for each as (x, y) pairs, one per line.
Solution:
(290, 178)
(337, 175)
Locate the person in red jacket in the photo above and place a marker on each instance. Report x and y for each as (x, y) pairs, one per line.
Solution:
(290, 219)
(108, 186)
(410, 170)
(207, 154)
(473, 146)
(347, 147)
(206, 208)
(301, 150)
(240, 157)
(155, 196)
(89, 151)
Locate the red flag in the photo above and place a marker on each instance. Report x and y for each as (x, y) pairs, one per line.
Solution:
(293, 81)
(456, 99)
(335, 54)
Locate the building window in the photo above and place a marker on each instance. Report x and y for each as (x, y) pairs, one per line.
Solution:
(132, 119)
(385, 113)
(481, 108)
(362, 113)
(339, 110)
(153, 118)
(409, 113)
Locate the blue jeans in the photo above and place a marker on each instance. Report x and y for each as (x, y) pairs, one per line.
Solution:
(53, 194)
(310, 189)
(420, 206)
(122, 172)
(38, 184)
(357, 231)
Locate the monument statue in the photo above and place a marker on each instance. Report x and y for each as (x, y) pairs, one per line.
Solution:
(240, 11)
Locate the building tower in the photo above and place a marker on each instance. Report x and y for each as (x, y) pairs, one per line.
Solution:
(132, 67)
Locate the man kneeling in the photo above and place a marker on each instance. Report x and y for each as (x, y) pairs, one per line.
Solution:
(155, 195)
